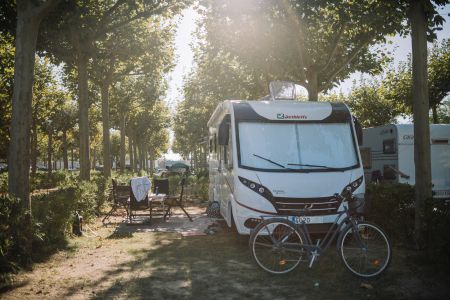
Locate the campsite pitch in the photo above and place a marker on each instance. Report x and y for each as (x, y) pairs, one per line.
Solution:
(177, 260)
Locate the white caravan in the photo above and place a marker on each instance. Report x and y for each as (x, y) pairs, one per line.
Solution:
(388, 154)
(272, 158)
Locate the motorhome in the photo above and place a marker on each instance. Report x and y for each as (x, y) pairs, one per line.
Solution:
(388, 155)
(276, 157)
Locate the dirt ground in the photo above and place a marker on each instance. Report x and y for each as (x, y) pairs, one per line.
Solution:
(175, 260)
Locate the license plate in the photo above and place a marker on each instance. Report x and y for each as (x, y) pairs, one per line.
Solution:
(306, 219)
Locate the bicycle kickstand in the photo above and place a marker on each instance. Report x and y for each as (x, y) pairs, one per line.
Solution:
(315, 253)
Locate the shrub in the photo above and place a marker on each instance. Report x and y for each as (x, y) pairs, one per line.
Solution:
(54, 212)
(3, 183)
(392, 207)
(86, 199)
(103, 191)
(43, 180)
(437, 233)
(17, 234)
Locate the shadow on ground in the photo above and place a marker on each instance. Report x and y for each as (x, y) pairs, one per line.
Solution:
(220, 265)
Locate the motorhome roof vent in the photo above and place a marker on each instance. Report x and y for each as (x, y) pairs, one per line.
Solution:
(282, 90)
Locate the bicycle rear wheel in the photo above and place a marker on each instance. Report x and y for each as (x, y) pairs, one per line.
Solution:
(276, 246)
(367, 252)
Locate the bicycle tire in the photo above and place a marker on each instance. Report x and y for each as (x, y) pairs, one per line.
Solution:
(374, 258)
(272, 254)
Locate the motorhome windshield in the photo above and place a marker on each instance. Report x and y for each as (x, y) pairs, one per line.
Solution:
(296, 147)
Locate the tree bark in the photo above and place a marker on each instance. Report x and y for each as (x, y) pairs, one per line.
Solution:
(71, 157)
(105, 121)
(130, 150)
(19, 147)
(313, 85)
(135, 154)
(122, 142)
(49, 150)
(33, 151)
(94, 158)
(420, 114)
(435, 114)
(83, 114)
(64, 150)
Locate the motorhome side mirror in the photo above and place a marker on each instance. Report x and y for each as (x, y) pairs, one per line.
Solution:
(359, 131)
(224, 131)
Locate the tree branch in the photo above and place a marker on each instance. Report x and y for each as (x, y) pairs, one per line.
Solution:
(108, 13)
(334, 47)
(294, 20)
(346, 62)
(45, 8)
(142, 14)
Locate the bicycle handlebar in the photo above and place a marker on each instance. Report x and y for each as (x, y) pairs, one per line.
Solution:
(350, 199)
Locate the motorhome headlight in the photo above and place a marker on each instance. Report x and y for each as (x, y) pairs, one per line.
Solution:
(256, 187)
(352, 186)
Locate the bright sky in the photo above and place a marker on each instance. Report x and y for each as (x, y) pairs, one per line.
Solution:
(184, 38)
(183, 42)
(400, 47)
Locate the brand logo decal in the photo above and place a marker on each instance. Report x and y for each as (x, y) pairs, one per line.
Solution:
(407, 137)
(282, 116)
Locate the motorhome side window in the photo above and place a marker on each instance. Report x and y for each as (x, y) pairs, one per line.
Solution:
(223, 140)
(229, 151)
(389, 146)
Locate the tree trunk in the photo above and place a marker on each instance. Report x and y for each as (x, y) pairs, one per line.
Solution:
(83, 102)
(195, 158)
(94, 158)
(420, 114)
(64, 150)
(313, 85)
(141, 157)
(71, 157)
(122, 142)
(49, 150)
(105, 121)
(435, 114)
(33, 151)
(138, 149)
(135, 154)
(130, 150)
(152, 164)
(144, 157)
(19, 147)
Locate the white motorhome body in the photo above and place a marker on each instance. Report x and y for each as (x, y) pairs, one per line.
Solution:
(273, 158)
(388, 154)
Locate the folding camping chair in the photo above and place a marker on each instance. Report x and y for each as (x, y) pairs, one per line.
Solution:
(160, 190)
(134, 206)
(120, 195)
(176, 201)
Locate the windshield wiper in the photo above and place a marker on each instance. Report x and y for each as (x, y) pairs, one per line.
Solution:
(271, 161)
(317, 166)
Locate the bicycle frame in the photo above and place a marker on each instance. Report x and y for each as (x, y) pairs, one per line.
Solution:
(323, 244)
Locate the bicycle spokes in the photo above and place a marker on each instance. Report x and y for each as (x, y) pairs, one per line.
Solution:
(365, 251)
(277, 247)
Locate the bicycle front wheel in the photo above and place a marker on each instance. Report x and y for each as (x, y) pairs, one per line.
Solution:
(366, 252)
(276, 246)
